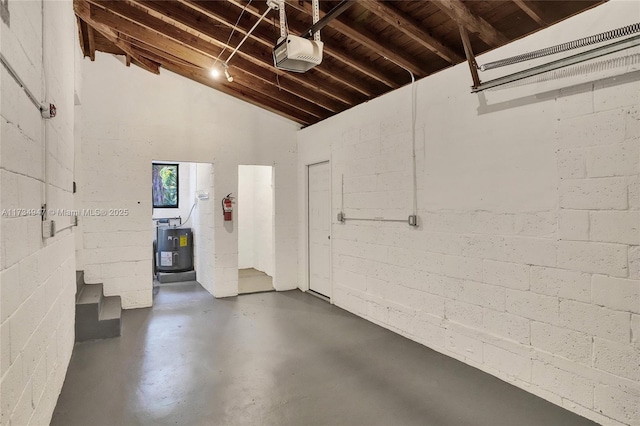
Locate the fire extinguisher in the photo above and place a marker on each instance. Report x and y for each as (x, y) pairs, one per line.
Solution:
(227, 207)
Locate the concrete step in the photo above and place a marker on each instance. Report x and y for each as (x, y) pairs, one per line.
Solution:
(91, 293)
(111, 308)
(175, 277)
(97, 316)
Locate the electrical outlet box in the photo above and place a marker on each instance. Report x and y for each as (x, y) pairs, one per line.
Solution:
(413, 220)
(341, 217)
(48, 228)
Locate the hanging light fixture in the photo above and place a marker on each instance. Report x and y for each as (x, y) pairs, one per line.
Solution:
(227, 75)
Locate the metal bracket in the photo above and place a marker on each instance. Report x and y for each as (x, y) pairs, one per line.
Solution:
(561, 63)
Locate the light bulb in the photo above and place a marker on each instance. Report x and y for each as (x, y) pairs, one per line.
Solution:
(229, 77)
(215, 72)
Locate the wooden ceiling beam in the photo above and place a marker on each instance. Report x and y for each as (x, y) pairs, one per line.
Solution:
(333, 51)
(83, 11)
(268, 39)
(243, 93)
(287, 81)
(166, 50)
(257, 72)
(141, 61)
(460, 13)
(243, 78)
(92, 44)
(533, 11)
(139, 32)
(212, 44)
(471, 59)
(82, 28)
(366, 38)
(411, 28)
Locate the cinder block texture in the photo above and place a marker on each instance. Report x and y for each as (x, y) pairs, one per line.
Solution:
(528, 244)
(37, 278)
(120, 132)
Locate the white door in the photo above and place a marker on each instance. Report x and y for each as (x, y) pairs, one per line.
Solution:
(319, 223)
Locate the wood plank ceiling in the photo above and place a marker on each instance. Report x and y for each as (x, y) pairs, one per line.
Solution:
(189, 37)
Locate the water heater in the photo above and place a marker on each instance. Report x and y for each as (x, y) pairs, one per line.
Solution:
(174, 249)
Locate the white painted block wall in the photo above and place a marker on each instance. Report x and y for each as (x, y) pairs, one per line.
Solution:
(203, 224)
(37, 278)
(526, 260)
(255, 218)
(131, 117)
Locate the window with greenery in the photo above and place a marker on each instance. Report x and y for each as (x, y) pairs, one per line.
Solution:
(165, 185)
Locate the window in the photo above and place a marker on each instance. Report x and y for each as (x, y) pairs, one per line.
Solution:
(165, 185)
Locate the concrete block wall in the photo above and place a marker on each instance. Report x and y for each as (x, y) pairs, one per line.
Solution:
(37, 278)
(204, 227)
(525, 263)
(131, 117)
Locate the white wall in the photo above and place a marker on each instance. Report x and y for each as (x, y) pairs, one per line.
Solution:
(131, 117)
(246, 216)
(526, 260)
(255, 218)
(203, 225)
(37, 282)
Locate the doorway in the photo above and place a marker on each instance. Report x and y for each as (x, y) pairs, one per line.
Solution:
(182, 222)
(256, 258)
(319, 202)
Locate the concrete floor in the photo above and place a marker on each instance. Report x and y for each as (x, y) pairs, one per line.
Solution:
(251, 280)
(278, 359)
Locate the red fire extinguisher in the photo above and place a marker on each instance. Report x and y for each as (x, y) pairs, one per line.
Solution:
(227, 207)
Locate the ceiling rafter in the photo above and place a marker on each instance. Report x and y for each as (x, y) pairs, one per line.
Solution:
(366, 38)
(177, 42)
(268, 40)
(82, 10)
(257, 72)
(138, 58)
(189, 37)
(240, 77)
(533, 11)
(92, 44)
(292, 83)
(210, 41)
(411, 28)
(247, 94)
(240, 86)
(460, 13)
(113, 24)
(82, 29)
(340, 54)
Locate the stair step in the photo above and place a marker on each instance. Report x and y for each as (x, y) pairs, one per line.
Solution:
(91, 293)
(97, 316)
(79, 283)
(111, 308)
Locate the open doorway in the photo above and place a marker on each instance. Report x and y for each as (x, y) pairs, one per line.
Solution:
(256, 257)
(182, 222)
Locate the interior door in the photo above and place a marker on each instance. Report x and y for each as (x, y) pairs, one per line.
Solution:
(319, 224)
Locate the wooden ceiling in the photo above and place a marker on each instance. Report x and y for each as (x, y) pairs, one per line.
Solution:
(188, 37)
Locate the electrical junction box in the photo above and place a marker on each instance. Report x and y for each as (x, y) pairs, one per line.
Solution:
(297, 54)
